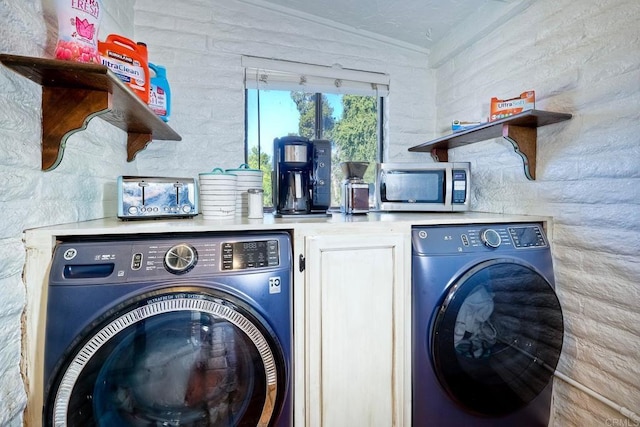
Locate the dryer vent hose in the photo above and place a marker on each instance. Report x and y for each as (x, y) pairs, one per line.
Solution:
(621, 409)
(624, 411)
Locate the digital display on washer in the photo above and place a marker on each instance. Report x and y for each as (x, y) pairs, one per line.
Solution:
(524, 237)
(252, 254)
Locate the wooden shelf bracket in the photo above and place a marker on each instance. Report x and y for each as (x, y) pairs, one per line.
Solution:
(523, 140)
(137, 142)
(66, 111)
(440, 154)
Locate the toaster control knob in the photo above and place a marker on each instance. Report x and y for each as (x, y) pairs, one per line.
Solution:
(133, 210)
(180, 258)
(186, 209)
(490, 238)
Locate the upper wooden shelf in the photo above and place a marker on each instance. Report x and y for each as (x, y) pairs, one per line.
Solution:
(519, 129)
(73, 93)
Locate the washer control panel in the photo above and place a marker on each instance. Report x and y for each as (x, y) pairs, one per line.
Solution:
(192, 256)
(181, 258)
(253, 254)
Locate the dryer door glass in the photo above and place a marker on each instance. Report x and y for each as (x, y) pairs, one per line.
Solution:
(172, 359)
(497, 337)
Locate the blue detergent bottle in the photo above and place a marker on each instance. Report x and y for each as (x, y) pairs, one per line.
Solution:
(159, 92)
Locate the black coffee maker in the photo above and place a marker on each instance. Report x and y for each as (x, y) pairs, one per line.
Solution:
(302, 176)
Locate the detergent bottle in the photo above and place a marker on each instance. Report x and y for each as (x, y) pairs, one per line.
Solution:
(160, 93)
(142, 49)
(127, 60)
(78, 30)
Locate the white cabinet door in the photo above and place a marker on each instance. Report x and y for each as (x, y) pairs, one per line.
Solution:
(356, 330)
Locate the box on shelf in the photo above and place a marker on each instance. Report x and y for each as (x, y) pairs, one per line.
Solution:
(501, 108)
(459, 125)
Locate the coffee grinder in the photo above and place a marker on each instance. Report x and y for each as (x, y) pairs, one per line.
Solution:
(355, 192)
(302, 176)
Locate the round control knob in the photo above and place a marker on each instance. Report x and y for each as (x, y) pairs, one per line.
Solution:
(490, 238)
(133, 210)
(186, 208)
(180, 258)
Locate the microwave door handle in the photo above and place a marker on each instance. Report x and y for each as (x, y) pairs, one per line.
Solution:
(448, 189)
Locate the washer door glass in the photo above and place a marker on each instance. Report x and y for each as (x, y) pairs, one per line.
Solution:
(176, 358)
(497, 337)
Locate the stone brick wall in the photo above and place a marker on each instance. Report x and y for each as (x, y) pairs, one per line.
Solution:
(582, 58)
(80, 188)
(200, 43)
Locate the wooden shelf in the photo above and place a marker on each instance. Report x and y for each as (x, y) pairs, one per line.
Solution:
(73, 93)
(520, 130)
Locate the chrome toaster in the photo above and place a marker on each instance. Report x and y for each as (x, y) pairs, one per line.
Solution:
(142, 197)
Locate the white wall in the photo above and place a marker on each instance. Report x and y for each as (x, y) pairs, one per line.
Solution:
(200, 43)
(581, 58)
(80, 188)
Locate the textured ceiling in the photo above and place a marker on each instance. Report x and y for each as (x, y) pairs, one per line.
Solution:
(421, 23)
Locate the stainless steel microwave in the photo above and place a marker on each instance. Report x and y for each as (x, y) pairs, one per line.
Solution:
(427, 187)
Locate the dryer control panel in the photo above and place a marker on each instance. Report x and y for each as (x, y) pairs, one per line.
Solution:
(527, 236)
(477, 238)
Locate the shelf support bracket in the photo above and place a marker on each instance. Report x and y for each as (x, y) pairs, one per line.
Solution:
(440, 154)
(66, 111)
(523, 140)
(137, 142)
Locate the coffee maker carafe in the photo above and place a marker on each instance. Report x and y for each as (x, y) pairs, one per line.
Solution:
(302, 176)
(292, 176)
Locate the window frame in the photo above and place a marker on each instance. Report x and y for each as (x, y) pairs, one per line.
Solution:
(318, 130)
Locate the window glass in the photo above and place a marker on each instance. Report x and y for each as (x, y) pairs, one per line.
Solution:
(350, 122)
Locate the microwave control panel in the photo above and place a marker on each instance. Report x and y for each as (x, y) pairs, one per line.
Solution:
(459, 186)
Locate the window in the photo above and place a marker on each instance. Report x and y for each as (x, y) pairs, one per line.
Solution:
(346, 112)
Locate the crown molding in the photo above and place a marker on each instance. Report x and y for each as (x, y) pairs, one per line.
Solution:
(335, 25)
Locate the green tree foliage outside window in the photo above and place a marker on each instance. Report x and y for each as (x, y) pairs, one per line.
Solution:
(356, 134)
(262, 161)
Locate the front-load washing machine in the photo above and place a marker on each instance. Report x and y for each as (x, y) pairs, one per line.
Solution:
(184, 330)
(487, 325)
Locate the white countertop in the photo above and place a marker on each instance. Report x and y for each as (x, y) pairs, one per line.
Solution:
(115, 226)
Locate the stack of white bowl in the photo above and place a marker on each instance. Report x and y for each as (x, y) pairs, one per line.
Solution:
(247, 178)
(218, 194)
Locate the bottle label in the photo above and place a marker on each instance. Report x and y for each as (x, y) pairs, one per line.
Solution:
(78, 22)
(126, 68)
(158, 100)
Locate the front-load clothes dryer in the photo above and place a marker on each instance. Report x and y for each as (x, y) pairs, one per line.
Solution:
(184, 330)
(487, 327)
